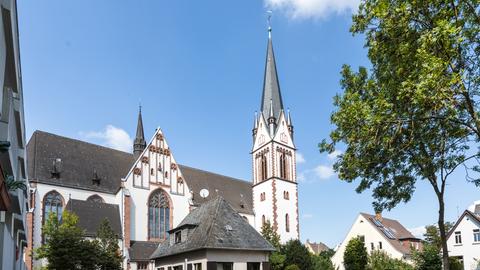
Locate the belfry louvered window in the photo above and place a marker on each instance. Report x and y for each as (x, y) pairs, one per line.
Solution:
(158, 215)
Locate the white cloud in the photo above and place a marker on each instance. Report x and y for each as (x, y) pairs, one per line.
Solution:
(307, 216)
(308, 9)
(324, 171)
(418, 231)
(111, 136)
(300, 159)
(334, 154)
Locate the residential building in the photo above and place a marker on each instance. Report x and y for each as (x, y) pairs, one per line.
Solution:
(148, 193)
(14, 204)
(213, 237)
(316, 248)
(379, 233)
(463, 240)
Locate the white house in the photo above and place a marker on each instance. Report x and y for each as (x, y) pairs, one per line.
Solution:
(463, 240)
(379, 233)
(146, 193)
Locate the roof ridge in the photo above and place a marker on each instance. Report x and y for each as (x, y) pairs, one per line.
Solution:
(81, 141)
(232, 178)
(217, 201)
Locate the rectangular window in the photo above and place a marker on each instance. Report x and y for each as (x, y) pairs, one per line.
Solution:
(476, 235)
(142, 265)
(380, 245)
(197, 266)
(224, 266)
(458, 238)
(178, 267)
(362, 238)
(253, 266)
(372, 246)
(178, 237)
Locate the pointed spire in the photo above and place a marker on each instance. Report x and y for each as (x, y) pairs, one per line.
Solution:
(139, 143)
(271, 86)
(289, 118)
(255, 120)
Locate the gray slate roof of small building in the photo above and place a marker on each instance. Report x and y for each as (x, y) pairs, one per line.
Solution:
(141, 250)
(91, 214)
(79, 159)
(216, 226)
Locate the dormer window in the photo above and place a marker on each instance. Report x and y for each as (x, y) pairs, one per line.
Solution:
(178, 237)
(56, 168)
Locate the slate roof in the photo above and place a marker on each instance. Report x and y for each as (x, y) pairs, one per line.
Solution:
(271, 86)
(141, 250)
(214, 225)
(317, 247)
(237, 192)
(91, 214)
(400, 232)
(79, 160)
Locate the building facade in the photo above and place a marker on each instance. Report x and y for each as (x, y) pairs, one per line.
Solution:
(14, 203)
(463, 240)
(147, 192)
(378, 233)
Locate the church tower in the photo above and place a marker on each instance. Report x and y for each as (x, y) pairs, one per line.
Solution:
(273, 155)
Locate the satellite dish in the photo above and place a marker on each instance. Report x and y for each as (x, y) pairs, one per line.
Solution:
(204, 193)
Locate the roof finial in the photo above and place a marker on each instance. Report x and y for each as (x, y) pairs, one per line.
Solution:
(269, 17)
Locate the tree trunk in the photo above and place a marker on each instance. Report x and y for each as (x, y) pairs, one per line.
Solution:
(443, 233)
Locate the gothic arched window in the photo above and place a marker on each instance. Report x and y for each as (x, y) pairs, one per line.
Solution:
(263, 220)
(52, 203)
(287, 223)
(283, 169)
(158, 215)
(95, 198)
(263, 167)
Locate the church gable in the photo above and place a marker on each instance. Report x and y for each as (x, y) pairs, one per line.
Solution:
(282, 134)
(262, 135)
(156, 165)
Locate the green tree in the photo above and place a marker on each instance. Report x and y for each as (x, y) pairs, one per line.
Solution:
(323, 260)
(292, 267)
(432, 234)
(296, 253)
(64, 246)
(416, 114)
(428, 259)
(107, 244)
(355, 256)
(456, 264)
(379, 260)
(277, 260)
(271, 235)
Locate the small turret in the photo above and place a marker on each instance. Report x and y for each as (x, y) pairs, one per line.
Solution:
(255, 125)
(289, 123)
(271, 120)
(139, 143)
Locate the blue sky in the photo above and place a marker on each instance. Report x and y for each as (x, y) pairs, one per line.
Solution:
(197, 68)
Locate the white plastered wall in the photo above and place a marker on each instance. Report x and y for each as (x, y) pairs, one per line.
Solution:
(362, 227)
(468, 249)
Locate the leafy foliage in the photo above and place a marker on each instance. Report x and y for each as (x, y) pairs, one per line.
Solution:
(109, 251)
(432, 234)
(296, 253)
(13, 184)
(355, 256)
(271, 235)
(277, 260)
(379, 260)
(292, 267)
(66, 248)
(323, 260)
(428, 259)
(416, 114)
(456, 264)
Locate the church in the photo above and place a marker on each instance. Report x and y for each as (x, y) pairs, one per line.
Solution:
(147, 193)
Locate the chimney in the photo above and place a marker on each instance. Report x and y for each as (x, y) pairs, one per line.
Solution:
(378, 216)
(477, 209)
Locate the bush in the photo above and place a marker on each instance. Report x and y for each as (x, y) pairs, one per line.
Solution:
(292, 267)
(428, 259)
(296, 253)
(455, 264)
(355, 256)
(379, 260)
(323, 260)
